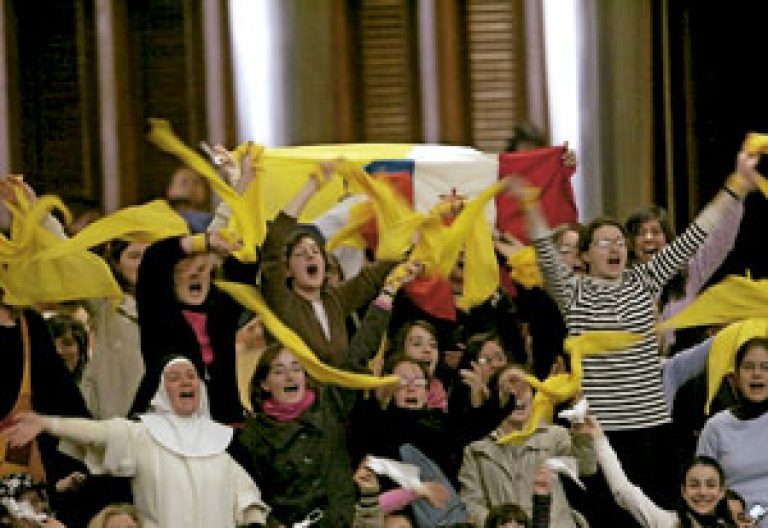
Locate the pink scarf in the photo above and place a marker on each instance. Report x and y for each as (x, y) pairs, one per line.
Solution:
(198, 322)
(437, 398)
(284, 412)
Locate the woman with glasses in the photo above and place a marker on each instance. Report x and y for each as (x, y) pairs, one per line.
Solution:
(624, 388)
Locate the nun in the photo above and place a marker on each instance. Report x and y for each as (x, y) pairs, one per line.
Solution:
(175, 455)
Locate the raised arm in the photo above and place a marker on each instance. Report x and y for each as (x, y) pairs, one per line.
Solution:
(559, 279)
(627, 495)
(82, 431)
(682, 367)
(665, 264)
(368, 338)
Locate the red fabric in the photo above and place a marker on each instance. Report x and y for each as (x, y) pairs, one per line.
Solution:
(285, 412)
(434, 296)
(401, 181)
(544, 169)
(198, 321)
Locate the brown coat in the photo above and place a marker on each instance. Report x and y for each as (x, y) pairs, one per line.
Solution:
(297, 312)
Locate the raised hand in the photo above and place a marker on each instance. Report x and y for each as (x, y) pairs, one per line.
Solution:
(542, 482)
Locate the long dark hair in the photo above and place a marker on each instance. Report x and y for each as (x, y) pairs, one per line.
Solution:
(722, 514)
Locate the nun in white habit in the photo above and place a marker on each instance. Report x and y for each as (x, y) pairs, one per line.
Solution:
(176, 456)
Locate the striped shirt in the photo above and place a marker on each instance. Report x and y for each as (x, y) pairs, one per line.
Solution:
(624, 388)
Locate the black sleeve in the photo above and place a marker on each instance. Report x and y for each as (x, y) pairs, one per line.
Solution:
(546, 326)
(156, 306)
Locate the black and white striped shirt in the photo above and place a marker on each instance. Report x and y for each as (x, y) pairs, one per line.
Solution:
(624, 388)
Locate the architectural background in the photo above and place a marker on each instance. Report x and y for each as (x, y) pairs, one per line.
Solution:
(667, 88)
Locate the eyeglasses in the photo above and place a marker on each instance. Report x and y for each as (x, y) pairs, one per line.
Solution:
(419, 383)
(605, 243)
(486, 360)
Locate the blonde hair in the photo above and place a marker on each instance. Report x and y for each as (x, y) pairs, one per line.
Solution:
(101, 519)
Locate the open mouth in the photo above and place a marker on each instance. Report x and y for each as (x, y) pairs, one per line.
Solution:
(757, 386)
(291, 389)
(312, 270)
(187, 394)
(411, 401)
(196, 288)
(614, 261)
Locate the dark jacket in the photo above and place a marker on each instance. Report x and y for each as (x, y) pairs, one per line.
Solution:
(164, 331)
(297, 312)
(303, 464)
(382, 432)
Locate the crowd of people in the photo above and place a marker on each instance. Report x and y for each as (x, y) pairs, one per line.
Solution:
(337, 401)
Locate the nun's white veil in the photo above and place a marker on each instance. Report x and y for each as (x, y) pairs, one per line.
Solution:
(195, 435)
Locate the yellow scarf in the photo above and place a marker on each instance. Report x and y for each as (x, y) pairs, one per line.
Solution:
(251, 298)
(732, 299)
(142, 223)
(26, 281)
(562, 387)
(524, 269)
(247, 222)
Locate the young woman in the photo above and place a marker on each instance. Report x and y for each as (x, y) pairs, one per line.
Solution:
(649, 232)
(624, 388)
(417, 341)
(736, 437)
(175, 455)
(113, 374)
(293, 280)
(701, 502)
(493, 474)
(294, 444)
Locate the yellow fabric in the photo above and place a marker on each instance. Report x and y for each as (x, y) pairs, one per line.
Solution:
(245, 221)
(438, 246)
(562, 387)
(758, 143)
(470, 230)
(350, 235)
(286, 169)
(142, 223)
(524, 269)
(26, 281)
(732, 299)
(251, 298)
(722, 354)
(481, 269)
(395, 219)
